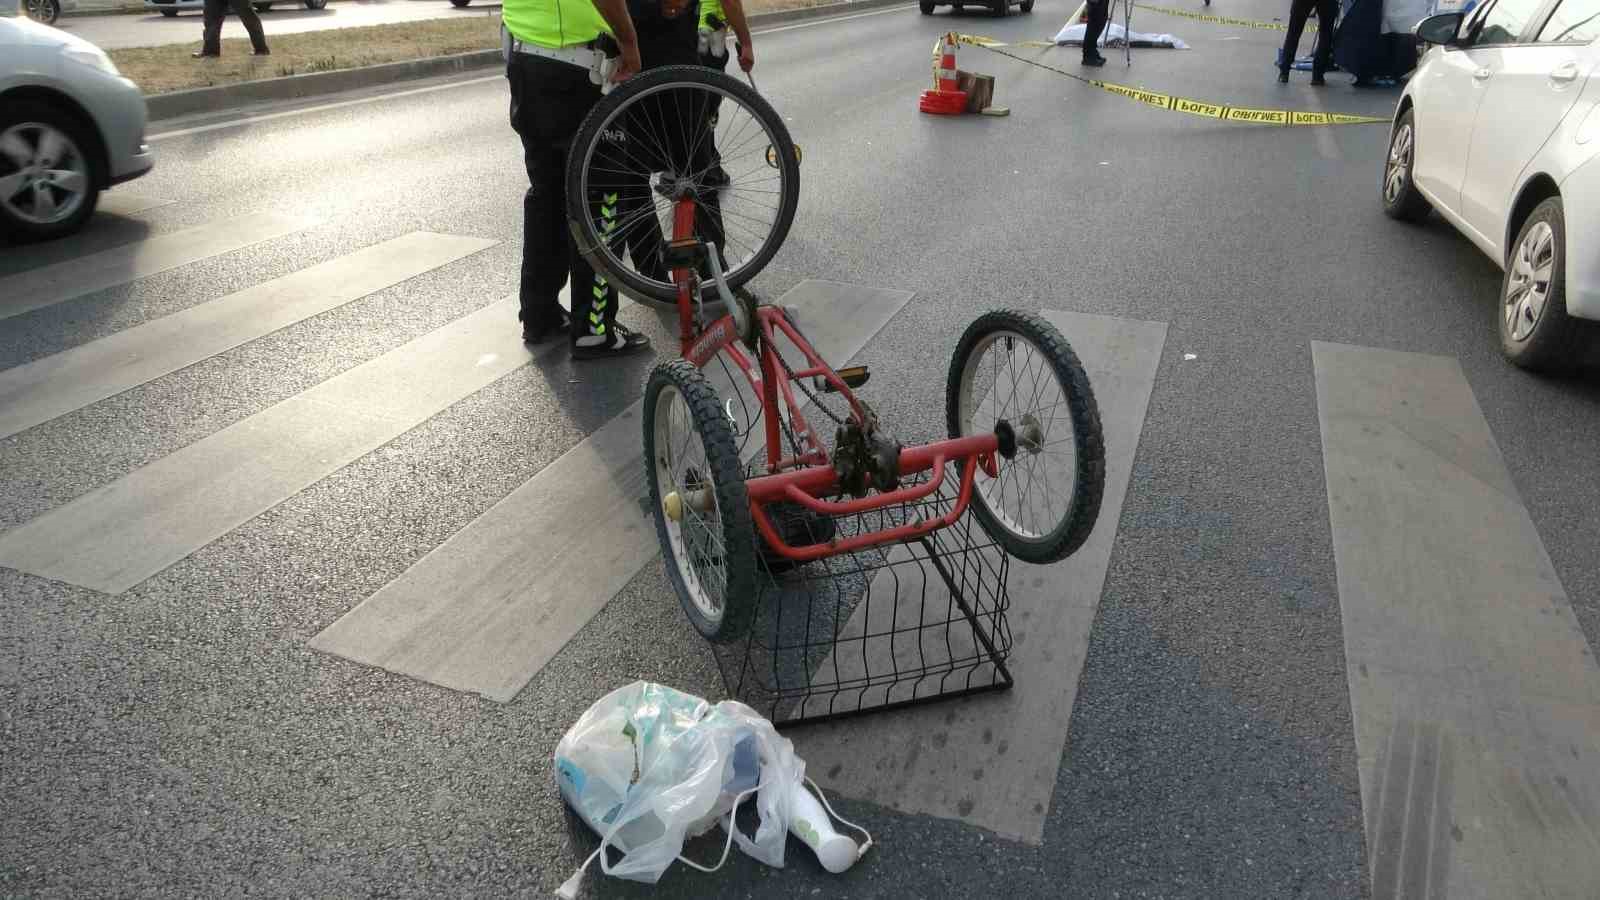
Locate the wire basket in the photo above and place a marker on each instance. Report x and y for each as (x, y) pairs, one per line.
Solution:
(876, 629)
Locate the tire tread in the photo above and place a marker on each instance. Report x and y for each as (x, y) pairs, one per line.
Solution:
(1085, 414)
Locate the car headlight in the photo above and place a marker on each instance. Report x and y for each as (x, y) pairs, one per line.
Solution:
(92, 57)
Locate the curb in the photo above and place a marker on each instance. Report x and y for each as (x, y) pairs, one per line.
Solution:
(293, 87)
(311, 84)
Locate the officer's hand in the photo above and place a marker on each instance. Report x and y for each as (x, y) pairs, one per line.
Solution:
(747, 57)
(629, 65)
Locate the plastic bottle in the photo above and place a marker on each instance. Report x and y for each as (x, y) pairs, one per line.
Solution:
(810, 824)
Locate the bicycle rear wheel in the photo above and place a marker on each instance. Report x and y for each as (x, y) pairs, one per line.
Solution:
(680, 132)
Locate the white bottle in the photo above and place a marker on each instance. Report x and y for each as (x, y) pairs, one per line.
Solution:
(809, 822)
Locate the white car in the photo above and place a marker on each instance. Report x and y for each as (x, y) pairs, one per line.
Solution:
(70, 127)
(170, 8)
(1499, 131)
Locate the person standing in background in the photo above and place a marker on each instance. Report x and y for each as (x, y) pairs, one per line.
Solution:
(1299, 11)
(1099, 11)
(211, 27)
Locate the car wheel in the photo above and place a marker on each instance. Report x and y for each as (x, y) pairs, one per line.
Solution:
(1026, 6)
(925, 6)
(316, 4)
(999, 7)
(959, 7)
(460, 4)
(46, 11)
(170, 13)
(1535, 331)
(1401, 199)
(49, 179)
(262, 7)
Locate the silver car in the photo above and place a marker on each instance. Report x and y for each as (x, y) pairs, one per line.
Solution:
(70, 127)
(170, 8)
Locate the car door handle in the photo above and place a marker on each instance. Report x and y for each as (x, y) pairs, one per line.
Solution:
(1482, 75)
(1565, 73)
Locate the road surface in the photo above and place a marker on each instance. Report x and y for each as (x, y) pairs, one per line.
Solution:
(1342, 584)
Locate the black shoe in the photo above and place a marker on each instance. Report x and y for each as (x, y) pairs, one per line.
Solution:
(206, 54)
(1097, 61)
(716, 177)
(620, 342)
(537, 333)
(1283, 76)
(1317, 81)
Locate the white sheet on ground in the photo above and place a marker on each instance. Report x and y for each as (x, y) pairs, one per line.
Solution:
(1113, 37)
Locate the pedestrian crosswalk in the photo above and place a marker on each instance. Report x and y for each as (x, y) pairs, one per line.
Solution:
(1474, 696)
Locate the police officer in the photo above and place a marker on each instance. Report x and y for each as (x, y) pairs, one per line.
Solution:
(716, 17)
(553, 67)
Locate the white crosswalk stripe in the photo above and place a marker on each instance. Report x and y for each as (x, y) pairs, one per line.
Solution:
(883, 755)
(1475, 700)
(49, 285)
(124, 203)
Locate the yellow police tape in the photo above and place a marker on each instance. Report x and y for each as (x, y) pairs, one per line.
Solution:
(1171, 102)
(1221, 20)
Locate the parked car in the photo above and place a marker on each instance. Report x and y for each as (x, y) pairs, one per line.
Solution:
(170, 8)
(995, 7)
(47, 11)
(1499, 131)
(70, 127)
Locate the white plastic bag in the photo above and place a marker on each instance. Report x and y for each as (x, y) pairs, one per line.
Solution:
(648, 767)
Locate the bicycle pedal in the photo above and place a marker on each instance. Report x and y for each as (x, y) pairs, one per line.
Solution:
(853, 377)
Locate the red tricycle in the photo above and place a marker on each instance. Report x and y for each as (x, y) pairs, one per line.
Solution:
(682, 183)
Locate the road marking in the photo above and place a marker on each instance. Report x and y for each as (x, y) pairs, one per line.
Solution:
(121, 534)
(321, 107)
(324, 107)
(52, 284)
(123, 203)
(488, 608)
(55, 385)
(1475, 697)
(992, 761)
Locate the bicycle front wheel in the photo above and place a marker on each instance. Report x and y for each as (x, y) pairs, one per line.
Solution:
(671, 134)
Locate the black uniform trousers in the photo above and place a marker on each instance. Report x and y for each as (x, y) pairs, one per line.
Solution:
(211, 28)
(1299, 11)
(1099, 11)
(549, 99)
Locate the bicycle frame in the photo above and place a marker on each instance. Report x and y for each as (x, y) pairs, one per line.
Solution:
(807, 476)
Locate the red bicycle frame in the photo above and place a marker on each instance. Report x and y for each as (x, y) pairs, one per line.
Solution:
(806, 477)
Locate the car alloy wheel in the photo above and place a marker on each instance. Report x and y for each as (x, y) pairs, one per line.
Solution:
(1528, 282)
(1399, 169)
(44, 177)
(46, 11)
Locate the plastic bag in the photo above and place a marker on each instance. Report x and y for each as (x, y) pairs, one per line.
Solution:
(648, 767)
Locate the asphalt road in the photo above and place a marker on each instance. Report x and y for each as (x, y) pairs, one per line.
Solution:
(285, 17)
(180, 738)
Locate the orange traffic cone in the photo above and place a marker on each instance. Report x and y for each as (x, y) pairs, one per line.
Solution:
(946, 99)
